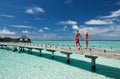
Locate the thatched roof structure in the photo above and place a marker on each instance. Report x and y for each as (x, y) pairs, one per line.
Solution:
(24, 39)
(20, 39)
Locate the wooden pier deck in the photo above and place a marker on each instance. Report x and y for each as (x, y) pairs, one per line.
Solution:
(91, 53)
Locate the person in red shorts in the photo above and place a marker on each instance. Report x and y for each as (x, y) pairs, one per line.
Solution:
(77, 40)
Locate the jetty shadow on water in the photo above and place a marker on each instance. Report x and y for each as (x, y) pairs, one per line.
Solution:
(108, 71)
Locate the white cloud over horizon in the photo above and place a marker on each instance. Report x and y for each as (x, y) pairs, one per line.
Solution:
(113, 14)
(45, 36)
(25, 31)
(6, 32)
(105, 31)
(7, 16)
(75, 27)
(98, 22)
(69, 22)
(46, 28)
(34, 10)
(64, 28)
(40, 30)
(21, 26)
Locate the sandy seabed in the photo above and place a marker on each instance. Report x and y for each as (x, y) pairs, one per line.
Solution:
(14, 65)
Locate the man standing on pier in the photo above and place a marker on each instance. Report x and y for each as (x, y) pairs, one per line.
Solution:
(77, 40)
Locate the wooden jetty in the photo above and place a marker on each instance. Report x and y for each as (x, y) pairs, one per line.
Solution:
(91, 53)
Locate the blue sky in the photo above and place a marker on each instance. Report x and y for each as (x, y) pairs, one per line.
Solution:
(59, 19)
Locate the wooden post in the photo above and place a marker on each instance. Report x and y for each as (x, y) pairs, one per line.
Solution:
(68, 59)
(23, 49)
(52, 54)
(19, 50)
(93, 65)
(40, 52)
(68, 56)
(104, 51)
(14, 48)
(78, 48)
(90, 49)
(30, 50)
(7, 48)
(52, 51)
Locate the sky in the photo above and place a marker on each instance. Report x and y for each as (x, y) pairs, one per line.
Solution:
(59, 19)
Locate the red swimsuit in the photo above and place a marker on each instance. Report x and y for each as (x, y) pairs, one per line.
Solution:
(77, 40)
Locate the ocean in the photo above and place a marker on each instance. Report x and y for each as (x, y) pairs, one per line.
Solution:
(114, 45)
(14, 65)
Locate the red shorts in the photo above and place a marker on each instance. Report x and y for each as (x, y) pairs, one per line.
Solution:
(77, 40)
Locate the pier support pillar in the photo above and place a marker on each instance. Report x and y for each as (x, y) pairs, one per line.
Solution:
(52, 54)
(23, 49)
(7, 48)
(40, 52)
(14, 48)
(30, 51)
(52, 51)
(68, 59)
(20, 49)
(93, 64)
(68, 56)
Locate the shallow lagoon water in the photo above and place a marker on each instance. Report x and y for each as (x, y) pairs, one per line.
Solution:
(115, 45)
(14, 65)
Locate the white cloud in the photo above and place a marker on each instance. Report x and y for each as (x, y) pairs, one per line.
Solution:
(21, 26)
(49, 35)
(46, 28)
(69, 22)
(40, 30)
(38, 9)
(7, 16)
(65, 27)
(25, 31)
(98, 22)
(6, 32)
(29, 11)
(75, 27)
(113, 14)
(42, 36)
(34, 10)
(105, 31)
(115, 19)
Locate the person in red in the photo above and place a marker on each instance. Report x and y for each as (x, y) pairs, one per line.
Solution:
(77, 40)
(86, 39)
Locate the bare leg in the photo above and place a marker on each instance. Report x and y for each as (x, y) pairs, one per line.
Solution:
(76, 44)
(86, 43)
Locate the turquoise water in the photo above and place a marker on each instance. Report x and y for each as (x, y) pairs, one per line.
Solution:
(14, 65)
(114, 45)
